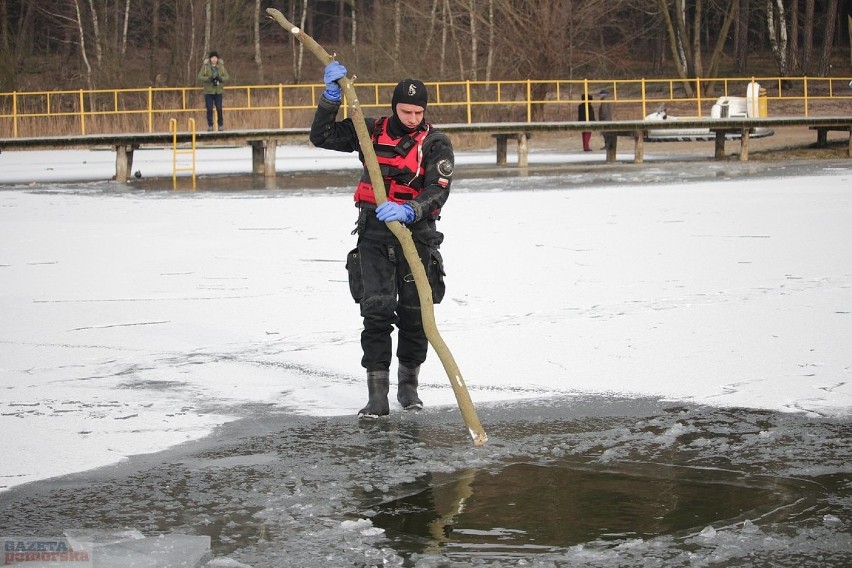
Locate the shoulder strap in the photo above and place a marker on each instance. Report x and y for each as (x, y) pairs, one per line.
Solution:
(378, 126)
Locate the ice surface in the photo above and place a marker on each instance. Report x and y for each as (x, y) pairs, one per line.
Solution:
(179, 551)
(138, 320)
(129, 547)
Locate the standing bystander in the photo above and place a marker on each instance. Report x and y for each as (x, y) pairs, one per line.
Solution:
(213, 76)
(586, 113)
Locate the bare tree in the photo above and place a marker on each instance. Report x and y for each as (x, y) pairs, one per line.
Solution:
(675, 28)
(534, 36)
(433, 14)
(849, 27)
(16, 41)
(83, 44)
(444, 29)
(776, 25)
(808, 33)
(489, 61)
(4, 27)
(208, 24)
(190, 57)
(795, 50)
(455, 33)
(473, 37)
(258, 60)
(697, 61)
(397, 28)
(341, 20)
(96, 30)
(457, 38)
(716, 57)
(685, 34)
(155, 42)
(298, 54)
(354, 32)
(828, 40)
(741, 50)
(124, 28)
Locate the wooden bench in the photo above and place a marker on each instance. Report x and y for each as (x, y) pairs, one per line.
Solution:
(263, 156)
(523, 148)
(124, 160)
(722, 135)
(822, 135)
(611, 143)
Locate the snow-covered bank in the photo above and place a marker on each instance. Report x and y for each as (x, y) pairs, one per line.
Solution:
(133, 321)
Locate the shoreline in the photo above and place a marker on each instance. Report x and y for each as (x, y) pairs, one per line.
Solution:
(549, 154)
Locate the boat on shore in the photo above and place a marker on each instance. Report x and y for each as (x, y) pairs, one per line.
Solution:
(750, 106)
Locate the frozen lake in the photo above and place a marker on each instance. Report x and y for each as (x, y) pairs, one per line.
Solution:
(659, 355)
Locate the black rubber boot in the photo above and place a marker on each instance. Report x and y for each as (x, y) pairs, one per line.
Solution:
(406, 392)
(378, 385)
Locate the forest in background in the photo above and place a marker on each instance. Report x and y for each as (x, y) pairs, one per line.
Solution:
(89, 44)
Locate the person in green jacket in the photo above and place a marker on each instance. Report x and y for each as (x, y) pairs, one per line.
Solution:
(213, 76)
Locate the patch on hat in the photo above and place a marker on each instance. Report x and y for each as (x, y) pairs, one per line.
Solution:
(445, 168)
(410, 91)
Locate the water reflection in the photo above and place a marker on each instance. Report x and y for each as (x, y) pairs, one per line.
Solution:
(530, 508)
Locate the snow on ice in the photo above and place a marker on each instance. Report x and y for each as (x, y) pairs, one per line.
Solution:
(135, 320)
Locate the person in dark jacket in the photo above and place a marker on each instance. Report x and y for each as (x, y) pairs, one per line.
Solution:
(417, 164)
(213, 77)
(583, 116)
(605, 114)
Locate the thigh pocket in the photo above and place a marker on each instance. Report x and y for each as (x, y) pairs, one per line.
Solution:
(436, 276)
(356, 282)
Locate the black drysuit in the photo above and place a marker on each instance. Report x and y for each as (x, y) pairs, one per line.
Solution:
(379, 276)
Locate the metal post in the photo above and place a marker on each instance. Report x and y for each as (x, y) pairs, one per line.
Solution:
(192, 130)
(151, 110)
(15, 113)
(82, 114)
(698, 94)
(529, 100)
(469, 112)
(280, 105)
(173, 129)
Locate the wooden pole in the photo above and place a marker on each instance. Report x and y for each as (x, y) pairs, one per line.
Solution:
(424, 291)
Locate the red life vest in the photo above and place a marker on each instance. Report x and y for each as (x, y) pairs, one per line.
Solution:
(400, 160)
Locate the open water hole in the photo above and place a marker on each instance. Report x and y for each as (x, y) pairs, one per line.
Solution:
(526, 508)
(567, 482)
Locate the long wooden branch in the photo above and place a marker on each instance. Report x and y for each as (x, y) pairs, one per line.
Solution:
(424, 290)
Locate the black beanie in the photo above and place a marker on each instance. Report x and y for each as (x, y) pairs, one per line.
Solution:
(410, 91)
(213, 54)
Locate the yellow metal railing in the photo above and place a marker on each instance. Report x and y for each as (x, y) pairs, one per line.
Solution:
(81, 112)
(178, 150)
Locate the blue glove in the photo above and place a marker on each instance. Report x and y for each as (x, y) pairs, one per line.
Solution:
(390, 211)
(333, 72)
